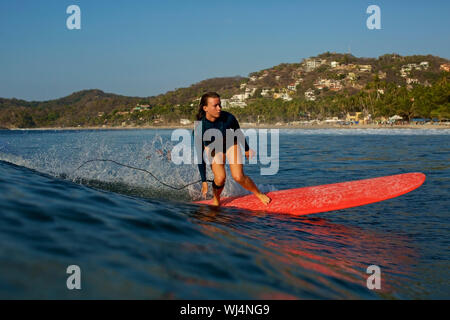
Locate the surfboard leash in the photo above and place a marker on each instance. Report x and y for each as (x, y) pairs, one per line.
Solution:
(139, 169)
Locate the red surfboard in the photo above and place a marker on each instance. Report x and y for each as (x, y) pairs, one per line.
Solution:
(329, 197)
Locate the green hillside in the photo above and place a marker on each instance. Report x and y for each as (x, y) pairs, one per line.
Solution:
(328, 85)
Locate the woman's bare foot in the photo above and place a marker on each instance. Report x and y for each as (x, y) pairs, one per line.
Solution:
(264, 199)
(215, 202)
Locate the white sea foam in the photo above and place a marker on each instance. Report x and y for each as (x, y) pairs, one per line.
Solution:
(381, 131)
(64, 158)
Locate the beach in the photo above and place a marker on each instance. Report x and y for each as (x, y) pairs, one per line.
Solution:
(439, 126)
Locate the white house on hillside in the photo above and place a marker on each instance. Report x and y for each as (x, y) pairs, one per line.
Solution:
(309, 95)
(334, 64)
(286, 97)
(365, 68)
(185, 122)
(311, 64)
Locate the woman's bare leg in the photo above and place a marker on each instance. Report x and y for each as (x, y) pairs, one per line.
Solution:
(218, 169)
(234, 156)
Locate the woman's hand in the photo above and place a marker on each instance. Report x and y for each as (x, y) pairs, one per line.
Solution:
(204, 189)
(249, 154)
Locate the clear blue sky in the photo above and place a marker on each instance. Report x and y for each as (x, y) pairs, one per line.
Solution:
(144, 48)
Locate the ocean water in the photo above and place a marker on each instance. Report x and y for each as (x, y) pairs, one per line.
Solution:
(134, 238)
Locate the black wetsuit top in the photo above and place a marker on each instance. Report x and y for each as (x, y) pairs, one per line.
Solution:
(225, 121)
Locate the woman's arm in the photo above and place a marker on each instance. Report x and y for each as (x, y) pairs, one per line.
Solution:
(199, 148)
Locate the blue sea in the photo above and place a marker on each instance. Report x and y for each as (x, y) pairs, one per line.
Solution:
(134, 238)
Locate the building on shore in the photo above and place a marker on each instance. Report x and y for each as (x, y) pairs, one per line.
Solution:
(235, 101)
(382, 75)
(249, 92)
(354, 116)
(445, 67)
(142, 107)
(334, 64)
(331, 84)
(311, 64)
(365, 68)
(412, 81)
(282, 95)
(352, 76)
(185, 122)
(332, 120)
(266, 92)
(286, 97)
(310, 95)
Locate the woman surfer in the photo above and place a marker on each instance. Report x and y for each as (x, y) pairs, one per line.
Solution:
(211, 116)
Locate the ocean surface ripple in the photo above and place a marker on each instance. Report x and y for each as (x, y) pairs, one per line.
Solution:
(135, 239)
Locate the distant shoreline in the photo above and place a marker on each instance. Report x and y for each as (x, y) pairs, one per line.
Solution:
(248, 126)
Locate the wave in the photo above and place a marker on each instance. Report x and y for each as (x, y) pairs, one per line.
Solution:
(149, 175)
(180, 250)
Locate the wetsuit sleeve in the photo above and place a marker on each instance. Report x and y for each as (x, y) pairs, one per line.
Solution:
(202, 170)
(235, 126)
(200, 148)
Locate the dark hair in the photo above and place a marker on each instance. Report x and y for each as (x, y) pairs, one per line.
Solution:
(204, 102)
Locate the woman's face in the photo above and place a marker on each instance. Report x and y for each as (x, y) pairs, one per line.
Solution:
(213, 108)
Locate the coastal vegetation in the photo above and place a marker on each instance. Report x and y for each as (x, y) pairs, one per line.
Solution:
(329, 85)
